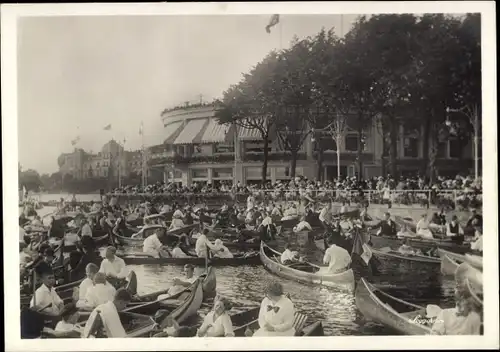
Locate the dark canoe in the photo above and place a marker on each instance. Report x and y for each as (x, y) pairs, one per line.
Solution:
(421, 259)
(271, 261)
(246, 259)
(248, 321)
(400, 316)
(180, 307)
(420, 243)
(475, 260)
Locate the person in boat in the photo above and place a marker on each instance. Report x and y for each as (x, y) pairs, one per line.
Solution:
(177, 222)
(439, 218)
(217, 323)
(290, 213)
(90, 271)
(311, 216)
(276, 212)
(73, 203)
(454, 231)
(101, 292)
(475, 219)
(121, 225)
(35, 243)
(188, 216)
(153, 245)
(221, 251)
(46, 300)
(268, 230)
(423, 228)
(386, 227)
(403, 232)
(112, 266)
(24, 257)
(463, 319)
(180, 285)
(222, 217)
(37, 221)
(406, 248)
(277, 313)
(288, 256)
(337, 259)
(108, 312)
(69, 319)
(203, 217)
(86, 229)
(203, 244)
(178, 251)
(250, 202)
(303, 225)
(477, 244)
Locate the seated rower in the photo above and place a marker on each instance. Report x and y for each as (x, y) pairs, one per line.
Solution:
(423, 228)
(220, 251)
(101, 292)
(46, 300)
(180, 285)
(303, 225)
(153, 245)
(276, 314)
(288, 256)
(454, 231)
(203, 244)
(337, 259)
(86, 230)
(463, 319)
(90, 271)
(267, 227)
(290, 213)
(108, 312)
(112, 266)
(69, 319)
(177, 222)
(217, 323)
(386, 227)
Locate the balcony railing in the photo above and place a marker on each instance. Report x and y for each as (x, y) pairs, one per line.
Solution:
(273, 156)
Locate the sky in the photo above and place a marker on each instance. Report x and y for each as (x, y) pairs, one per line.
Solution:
(79, 74)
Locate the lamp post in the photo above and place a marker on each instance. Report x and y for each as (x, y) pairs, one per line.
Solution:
(473, 117)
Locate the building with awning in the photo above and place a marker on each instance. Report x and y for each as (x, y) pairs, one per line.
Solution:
(191, 132)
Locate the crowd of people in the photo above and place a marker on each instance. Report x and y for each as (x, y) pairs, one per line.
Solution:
(462, 192)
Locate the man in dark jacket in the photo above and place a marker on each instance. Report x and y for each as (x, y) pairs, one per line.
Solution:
(387, 227)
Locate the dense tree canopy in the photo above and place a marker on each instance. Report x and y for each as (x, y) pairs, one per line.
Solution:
(388, 70)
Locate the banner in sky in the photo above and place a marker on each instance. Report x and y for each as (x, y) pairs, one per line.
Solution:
(107, 128)
(75, 141)
(275, 19)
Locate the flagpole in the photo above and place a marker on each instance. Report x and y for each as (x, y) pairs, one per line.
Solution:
(281, 34)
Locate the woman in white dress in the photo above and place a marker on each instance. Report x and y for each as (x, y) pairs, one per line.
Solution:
(221, 251)
(423, 228)
(276, 313)
(217, 322)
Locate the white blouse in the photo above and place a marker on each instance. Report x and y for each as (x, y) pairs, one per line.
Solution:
(279, 315)
(116, 268)
(222, 326)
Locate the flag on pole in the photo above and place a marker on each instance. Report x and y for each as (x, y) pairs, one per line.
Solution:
(107, 128)
(275, 19)
(141, 129)
(75, 141)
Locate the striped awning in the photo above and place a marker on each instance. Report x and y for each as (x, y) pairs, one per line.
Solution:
(171, 131)
(215, 132)
(191, 132)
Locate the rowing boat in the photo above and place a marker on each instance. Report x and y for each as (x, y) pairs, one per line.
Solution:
(144, 259)
(398, 315)
(391, 254)
(271, 261)
(248, 321)
(70, 245)
(475, 260)
(180, 306)
(137, 239)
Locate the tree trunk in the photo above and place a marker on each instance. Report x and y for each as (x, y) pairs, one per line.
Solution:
(426, 146)
(393, 147)
(433, 149)
(319, 161)
(264, 162)
(293, 163)
(360, 153)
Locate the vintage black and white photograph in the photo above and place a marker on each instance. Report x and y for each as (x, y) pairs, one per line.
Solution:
(266, 174)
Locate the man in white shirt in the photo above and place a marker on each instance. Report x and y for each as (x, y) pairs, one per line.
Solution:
(46, 300)
(153, 245)
(337, 259)
(90, 271)
(113, 266)
(110, 318)
(202, 243)
(102, 292)
(288, 256)
(180, 285)
(86, 229)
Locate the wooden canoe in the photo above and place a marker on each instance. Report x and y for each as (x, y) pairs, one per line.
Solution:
(455, 256)
(400, 316)
(448, 265)
(248, 320)
(142, 258)
(180, 306)
(99, 241)
(420, 243)
(64, 291)
(475, 260)
(422, 259)
(271, 261)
